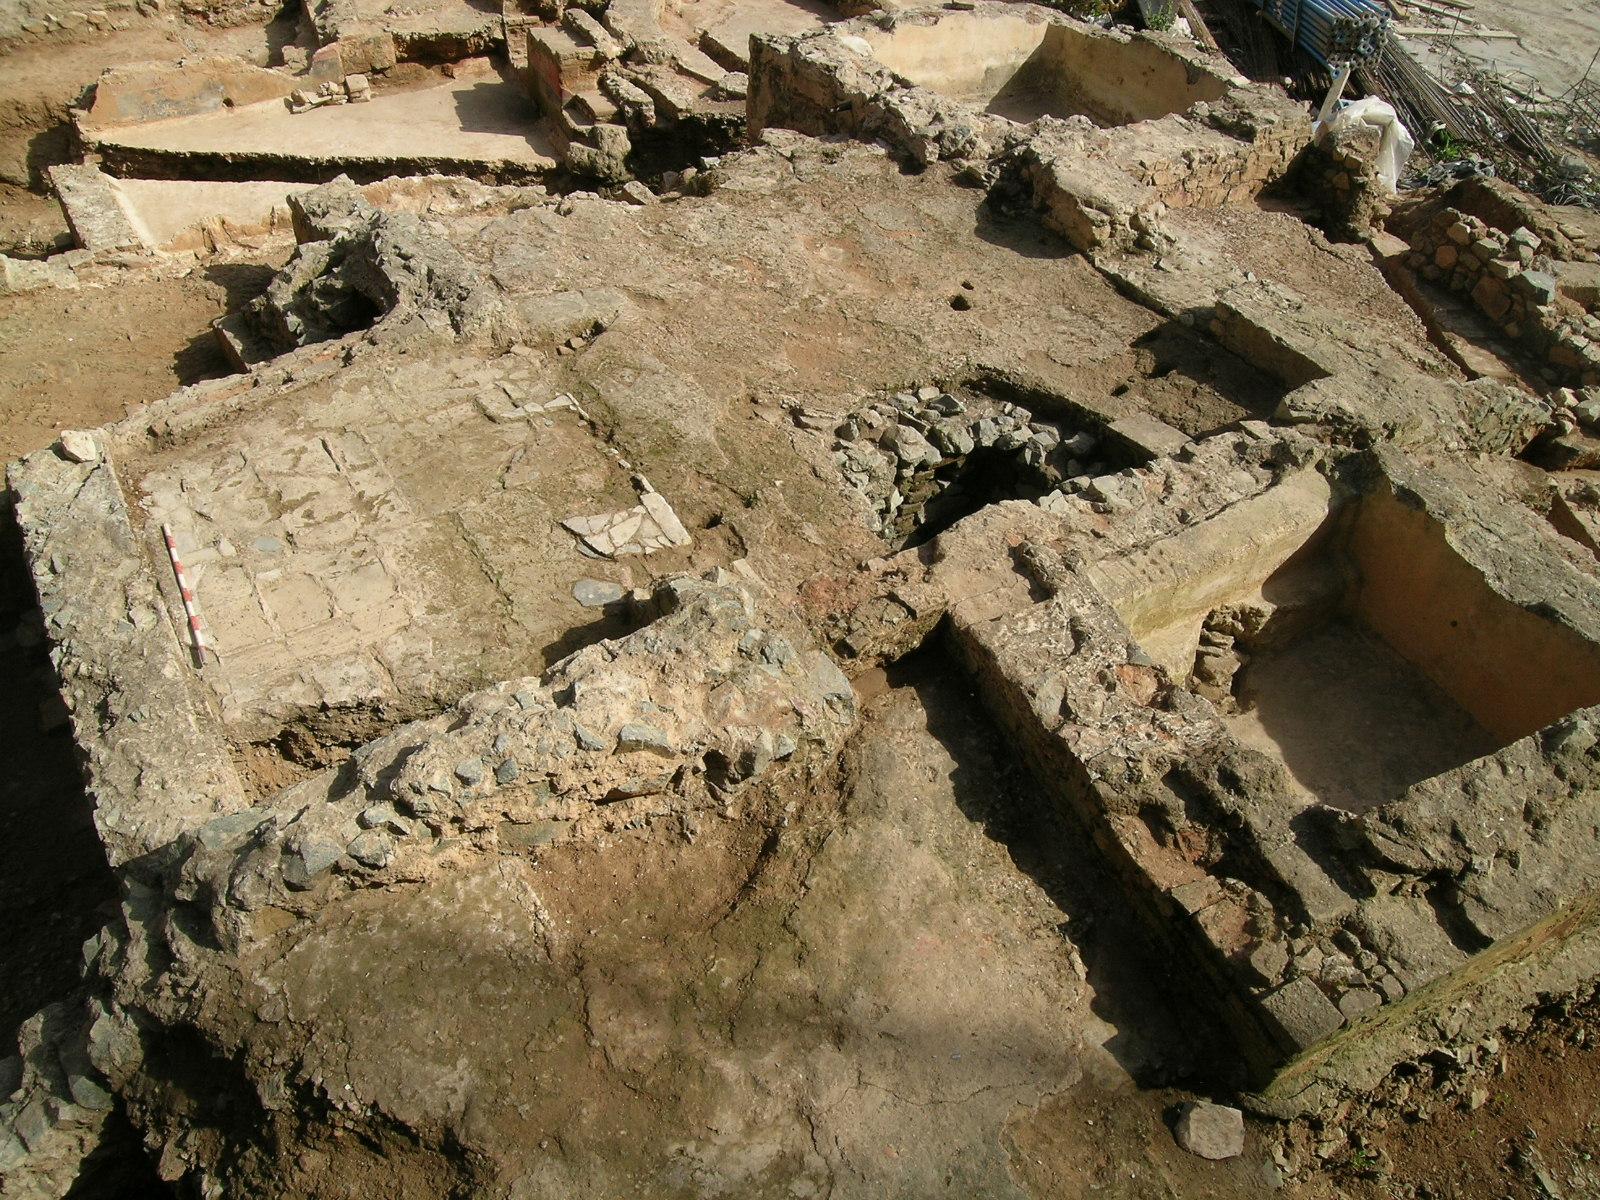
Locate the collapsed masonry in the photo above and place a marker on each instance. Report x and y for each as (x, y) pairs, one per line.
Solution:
(445, 424)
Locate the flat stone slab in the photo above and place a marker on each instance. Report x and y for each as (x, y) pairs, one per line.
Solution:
(94, 209)
(478, 118)
(1213, 1131)
(384, 535)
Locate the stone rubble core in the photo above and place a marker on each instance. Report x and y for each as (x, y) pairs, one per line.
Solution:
(675, 721)
(675, 718)
(1333, 926)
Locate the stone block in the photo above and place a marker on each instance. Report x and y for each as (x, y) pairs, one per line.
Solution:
(1213, 1131)
(1538, 286)
(1492, 297)
(1147, 438)
(1303, 1016)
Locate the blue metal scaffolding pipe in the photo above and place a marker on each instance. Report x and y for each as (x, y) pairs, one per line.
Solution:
(1334, 32)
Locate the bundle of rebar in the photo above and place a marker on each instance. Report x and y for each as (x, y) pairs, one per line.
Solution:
(1335, 33)
(1426, 106)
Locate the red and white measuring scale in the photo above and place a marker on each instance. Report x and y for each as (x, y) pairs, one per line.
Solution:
(191, 608)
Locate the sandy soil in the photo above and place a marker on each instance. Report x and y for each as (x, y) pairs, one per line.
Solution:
(79, 359)
(1534, 1134)
(1559, 39)
(1354, 723)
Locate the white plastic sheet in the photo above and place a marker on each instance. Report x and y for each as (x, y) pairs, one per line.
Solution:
(1397, 145)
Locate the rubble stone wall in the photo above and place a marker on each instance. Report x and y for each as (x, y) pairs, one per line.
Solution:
(1515, 286)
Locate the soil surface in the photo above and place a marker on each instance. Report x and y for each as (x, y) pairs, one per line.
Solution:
(1526, 1129)
(80, 359)
(1557, 40)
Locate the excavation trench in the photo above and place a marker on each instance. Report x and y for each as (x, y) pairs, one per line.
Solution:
(1024, 70)
(1351, 643)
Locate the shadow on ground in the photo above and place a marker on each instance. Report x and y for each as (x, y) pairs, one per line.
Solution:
(1161, 1036)
(53, 875)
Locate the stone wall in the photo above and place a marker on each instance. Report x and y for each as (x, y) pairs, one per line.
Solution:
(1100, 188)
(1330, 944)
(1513, 282)
(1338, 175)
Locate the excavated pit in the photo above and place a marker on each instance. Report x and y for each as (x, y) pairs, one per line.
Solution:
(1024, 70)
(1371, 658)
(926, 458)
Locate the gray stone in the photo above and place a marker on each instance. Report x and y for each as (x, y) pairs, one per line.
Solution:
(310, 860)
(587, 740)
(909, 446)
(946, 405)
(1304, 1015)
(637, 193)
(12, 1152)
(470, 771)
(506, 772)
(1269, 959)
(1147, 437)
(1357, 1001)
(1540, 286)
(777, 651)
(372, 849)
(953, 440)
(86, 1093)
(597, 593)
(33, 1125)
(1213, 1131)
(383, 816)
(225, 830)
(636, 735)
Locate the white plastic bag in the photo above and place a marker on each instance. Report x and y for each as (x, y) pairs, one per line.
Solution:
(1397, 144)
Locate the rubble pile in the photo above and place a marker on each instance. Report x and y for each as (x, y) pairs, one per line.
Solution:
(917, 457)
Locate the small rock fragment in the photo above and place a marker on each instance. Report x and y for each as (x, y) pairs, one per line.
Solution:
(597, 593)
(636, 735)
(78, 446)
(1213, 1131)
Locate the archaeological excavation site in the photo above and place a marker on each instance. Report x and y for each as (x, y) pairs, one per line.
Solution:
(808, 599)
